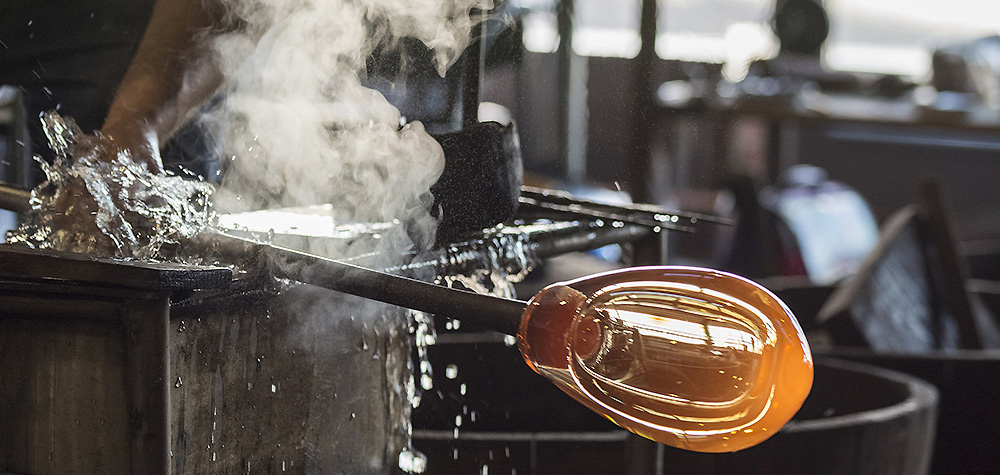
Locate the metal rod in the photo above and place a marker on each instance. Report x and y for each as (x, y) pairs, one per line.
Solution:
(578, 211)
(15, 199)
(541, 244)
(642, 99)
(562, 197)
(493, 313)
(572, 97)
(473, 65)
(554, 244)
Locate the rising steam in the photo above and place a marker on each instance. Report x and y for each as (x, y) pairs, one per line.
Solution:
(298, 128)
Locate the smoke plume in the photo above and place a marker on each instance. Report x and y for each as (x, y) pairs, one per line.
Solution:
(296, 126)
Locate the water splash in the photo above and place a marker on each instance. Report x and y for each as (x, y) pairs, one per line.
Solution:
(411, 461)
(97, 200)
(491, 265)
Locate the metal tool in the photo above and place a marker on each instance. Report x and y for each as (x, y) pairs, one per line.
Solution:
(623, 343)
(638, 346)
(15, 199)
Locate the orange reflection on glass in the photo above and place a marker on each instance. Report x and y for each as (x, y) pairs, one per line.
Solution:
(693, 358)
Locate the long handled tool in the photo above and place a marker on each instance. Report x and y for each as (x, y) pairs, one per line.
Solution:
(693, 358)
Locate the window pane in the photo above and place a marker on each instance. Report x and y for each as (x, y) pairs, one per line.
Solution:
(897, 36)
(540, 34)
(717, 31)
(602, 27)
(607, 28)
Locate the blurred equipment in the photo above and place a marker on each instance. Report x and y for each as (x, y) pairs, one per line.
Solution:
(828, 226)
(909, 294)
(14, 151)
(910, 308)
(970, 70)
(481, 181)
(801, 26)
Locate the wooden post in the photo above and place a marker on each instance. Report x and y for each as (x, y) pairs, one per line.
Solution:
(951, 269)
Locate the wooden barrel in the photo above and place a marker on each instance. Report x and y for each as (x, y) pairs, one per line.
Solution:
(858, 419)
(967, 430)
(487, 412)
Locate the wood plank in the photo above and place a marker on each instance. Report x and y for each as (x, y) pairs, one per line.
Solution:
(33, 264)
(951, 272)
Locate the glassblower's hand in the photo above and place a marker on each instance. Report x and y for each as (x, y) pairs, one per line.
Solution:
(136, 140)
(90, 189)
(101, 199)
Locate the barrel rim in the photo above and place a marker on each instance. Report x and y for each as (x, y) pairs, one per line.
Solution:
(922, 395)
(936, 354)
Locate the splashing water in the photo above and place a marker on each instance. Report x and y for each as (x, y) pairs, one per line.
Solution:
(491, 265)
(98, 201)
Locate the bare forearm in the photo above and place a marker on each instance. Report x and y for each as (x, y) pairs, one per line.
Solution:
(171, 75)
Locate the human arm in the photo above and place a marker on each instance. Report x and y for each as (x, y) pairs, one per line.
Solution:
(171, 75)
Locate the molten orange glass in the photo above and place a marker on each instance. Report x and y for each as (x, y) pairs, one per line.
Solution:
(693, 358)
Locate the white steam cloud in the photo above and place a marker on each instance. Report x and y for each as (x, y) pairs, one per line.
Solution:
(298, 128)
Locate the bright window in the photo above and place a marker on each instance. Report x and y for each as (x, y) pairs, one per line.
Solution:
(886, 36)
(898, 36)
(714, 31)
(603, 27)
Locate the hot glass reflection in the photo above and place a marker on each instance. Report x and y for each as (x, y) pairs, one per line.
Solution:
(693, 358)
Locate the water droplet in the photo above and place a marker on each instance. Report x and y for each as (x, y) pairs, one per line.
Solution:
(461, 389)
(180, 326)
(458, 421)
(451, 371)
(274, 388)
(178, 383)
(412, 461)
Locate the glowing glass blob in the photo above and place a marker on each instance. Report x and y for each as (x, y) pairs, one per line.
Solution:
(693, 358)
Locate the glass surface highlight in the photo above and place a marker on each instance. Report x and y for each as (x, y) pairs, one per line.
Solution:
(693, 358)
